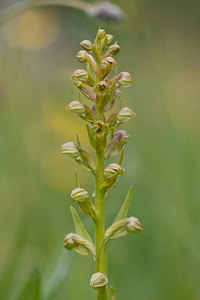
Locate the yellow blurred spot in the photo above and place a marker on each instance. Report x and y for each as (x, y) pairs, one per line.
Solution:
(42, 139)
(64, 124)
(57, 171)
(33, 29)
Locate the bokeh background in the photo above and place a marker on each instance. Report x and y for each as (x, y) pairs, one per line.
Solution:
(159, 45)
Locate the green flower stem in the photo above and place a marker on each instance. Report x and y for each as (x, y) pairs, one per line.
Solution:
(103, 91)
(99, 225)
(99, 201)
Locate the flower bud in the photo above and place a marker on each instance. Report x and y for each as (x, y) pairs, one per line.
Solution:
(125, 114)
(98, 280)
(117, 229)
(100, 131)
(85, 90)
(76, 107)
(86, 160)
(84, 201)
(106, 41)
(69, 242)
(110, 175)
(125, 79)
(123, 227)
(100, 128)
(112, 50)
(113, 169)
(82, 56)
(110, 37)
(79, 244)
(111, 121)
(101, 88)
(122, 136)
(108, 62)
(92, 62)
(80, 74)
(109, 172)
(70, 150)
(133, 225)
(87, 45)
(80, 194)
(111, 61)
(89, 114)
(114, 147)
(104, 64)
(101, 34)
(118, 169)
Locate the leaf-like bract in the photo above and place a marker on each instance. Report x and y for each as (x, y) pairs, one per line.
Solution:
(80, 228)
(124, 209)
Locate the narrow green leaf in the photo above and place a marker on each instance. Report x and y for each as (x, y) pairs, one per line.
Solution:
(124, 209)
(111, 294)
(58, 268)
(78, 140)
(77, 179)
(90, 136)
(121, 156)
(80, 229)
(31, 288)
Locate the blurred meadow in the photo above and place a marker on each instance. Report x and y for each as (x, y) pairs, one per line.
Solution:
(160, 46)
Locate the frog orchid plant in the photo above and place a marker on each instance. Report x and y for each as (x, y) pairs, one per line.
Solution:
(101, 84)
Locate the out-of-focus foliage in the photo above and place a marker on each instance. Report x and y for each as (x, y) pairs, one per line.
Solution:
(159, 44)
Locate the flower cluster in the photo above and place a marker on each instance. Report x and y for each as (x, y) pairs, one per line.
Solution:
(101, 84)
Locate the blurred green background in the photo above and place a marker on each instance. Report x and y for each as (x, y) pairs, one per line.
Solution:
(159, 45)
